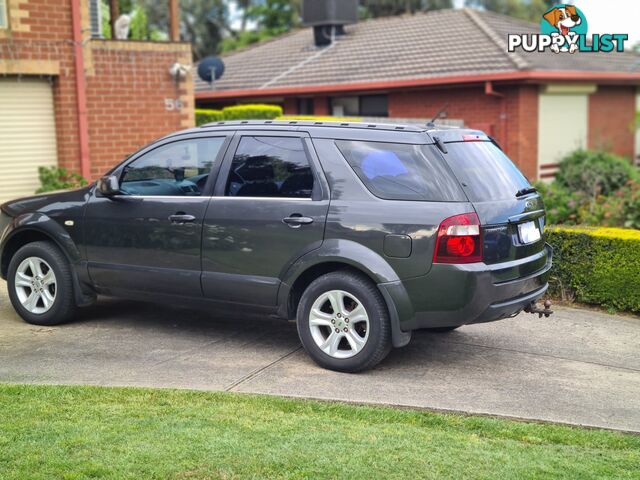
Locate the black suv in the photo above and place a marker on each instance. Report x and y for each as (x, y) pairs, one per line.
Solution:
(361, 233)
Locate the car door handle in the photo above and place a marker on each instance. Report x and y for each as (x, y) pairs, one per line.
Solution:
(181, 218)
(296, 220)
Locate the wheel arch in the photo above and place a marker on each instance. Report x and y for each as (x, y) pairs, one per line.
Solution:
(336, 255)
(41, 228)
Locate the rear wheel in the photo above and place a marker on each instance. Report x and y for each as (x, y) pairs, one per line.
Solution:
(343, 322)
(40, 284)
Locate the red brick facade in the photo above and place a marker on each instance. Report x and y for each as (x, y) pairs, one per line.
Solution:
(612, 112)
(127, 82)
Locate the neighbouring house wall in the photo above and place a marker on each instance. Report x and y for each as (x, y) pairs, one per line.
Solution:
(612, 111)
(637, 157)
(511, 120)
(132, 99)
(127, 82)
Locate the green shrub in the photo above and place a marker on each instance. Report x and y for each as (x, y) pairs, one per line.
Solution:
(207, 116)
(594, 172)
(252, 112)
(58, 178)
(238, 112)
(600, 266)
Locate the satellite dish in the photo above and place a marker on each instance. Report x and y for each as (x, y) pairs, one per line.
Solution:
(210, 69)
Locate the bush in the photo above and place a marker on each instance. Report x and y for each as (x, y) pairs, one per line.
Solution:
(58, 178)
(594, 173)
(600, 266)
(252, 112)
(207, 116)
(238, 112)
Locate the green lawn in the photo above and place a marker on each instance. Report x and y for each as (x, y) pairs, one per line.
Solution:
(91, 432)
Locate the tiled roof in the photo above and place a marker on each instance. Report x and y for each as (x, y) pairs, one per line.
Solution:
(426, 45)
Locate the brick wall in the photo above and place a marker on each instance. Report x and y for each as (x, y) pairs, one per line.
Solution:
(127, 82)
(611, 116)
(126, 95)
(512, 120)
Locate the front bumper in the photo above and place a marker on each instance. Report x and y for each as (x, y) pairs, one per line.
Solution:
(453, 295)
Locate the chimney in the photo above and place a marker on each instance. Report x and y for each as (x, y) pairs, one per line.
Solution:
(328, 18)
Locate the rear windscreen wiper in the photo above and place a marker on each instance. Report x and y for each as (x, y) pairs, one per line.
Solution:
(526, 191)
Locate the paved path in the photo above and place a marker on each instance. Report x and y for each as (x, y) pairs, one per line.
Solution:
(578, 367)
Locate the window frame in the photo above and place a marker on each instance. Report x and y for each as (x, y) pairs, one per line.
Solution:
(215, 170)
(320, 187)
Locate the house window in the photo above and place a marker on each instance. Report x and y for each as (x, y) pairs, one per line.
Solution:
(374, 106)
(305, 106)
(95, 14)
(4, 23)
(364, 106)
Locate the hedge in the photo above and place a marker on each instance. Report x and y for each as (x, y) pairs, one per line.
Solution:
(596, 265)
(238, 112)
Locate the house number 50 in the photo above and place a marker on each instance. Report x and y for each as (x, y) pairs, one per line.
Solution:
(171, 104)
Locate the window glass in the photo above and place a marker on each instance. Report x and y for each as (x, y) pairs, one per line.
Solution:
(176, 169)
(485, 170)
(345, 106)
(374, 106)
(3, 14)
(395, 171)
(270, 167)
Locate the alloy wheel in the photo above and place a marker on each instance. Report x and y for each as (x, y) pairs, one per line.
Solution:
(35, 285)
(339, 324)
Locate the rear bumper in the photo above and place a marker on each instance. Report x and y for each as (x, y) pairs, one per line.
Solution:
(453, 295)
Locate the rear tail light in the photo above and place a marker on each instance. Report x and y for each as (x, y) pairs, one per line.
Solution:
(459, 240)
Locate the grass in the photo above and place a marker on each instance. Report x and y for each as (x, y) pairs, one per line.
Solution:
(92, 432)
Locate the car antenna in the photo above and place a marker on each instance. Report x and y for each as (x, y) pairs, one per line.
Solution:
(431, 123)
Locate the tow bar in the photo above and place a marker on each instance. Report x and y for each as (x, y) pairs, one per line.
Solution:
(534, 308)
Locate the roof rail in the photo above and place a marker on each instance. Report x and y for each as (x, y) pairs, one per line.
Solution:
(314, 123)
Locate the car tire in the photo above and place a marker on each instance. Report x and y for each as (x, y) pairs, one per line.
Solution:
(330, 337)
(442, 329)
(41, 270)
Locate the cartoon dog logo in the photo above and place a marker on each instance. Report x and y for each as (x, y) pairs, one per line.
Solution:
(564, 19)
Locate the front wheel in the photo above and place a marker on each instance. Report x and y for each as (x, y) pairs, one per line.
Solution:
(343, 322)
(40, 284)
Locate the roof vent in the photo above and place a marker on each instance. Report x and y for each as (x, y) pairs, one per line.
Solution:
(328, 18)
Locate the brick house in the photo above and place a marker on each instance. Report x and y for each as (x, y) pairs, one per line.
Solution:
(538, 106)
(71, 98)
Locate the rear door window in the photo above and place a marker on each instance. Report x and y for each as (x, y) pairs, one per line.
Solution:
(485, 172)
(396, 171)
(270, 167)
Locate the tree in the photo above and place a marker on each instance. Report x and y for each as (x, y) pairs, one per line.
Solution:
(530, 10)
(385, 8)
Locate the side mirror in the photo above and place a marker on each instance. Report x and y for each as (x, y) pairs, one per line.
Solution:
(108, 186)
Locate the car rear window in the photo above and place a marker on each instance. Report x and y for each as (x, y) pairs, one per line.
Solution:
(396, 171)
(484, 171)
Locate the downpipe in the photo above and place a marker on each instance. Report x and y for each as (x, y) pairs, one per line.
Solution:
(534, 308)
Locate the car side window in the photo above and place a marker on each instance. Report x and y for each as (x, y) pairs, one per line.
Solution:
(177, 169)
(270, 167)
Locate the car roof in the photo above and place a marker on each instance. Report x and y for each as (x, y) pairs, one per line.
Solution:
(367, 131)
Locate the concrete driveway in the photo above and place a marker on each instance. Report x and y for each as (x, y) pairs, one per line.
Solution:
(578, 367)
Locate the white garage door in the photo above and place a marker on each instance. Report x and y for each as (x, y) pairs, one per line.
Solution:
(27, 134)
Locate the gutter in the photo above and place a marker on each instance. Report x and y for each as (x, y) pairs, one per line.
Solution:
(81, 94)
(621, 78)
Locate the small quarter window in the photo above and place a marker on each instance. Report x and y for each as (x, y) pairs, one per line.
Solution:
(396, 171)
(177, 169)
(270, 167)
